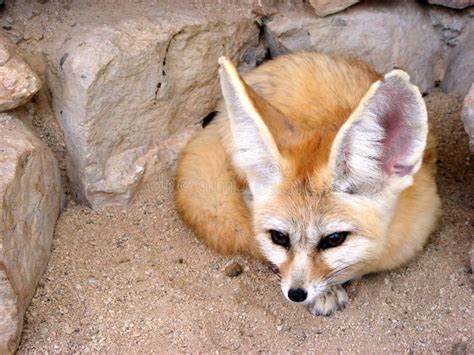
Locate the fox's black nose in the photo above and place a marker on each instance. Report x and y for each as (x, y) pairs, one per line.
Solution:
(297, 294)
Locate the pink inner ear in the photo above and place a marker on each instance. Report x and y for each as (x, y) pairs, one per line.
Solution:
(386, 140)
(394, 118)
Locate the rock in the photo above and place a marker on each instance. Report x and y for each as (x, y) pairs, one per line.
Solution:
(18, 83)
(460, 71)
(450, 24)
(454, 4)
(459, 348)
(467, 116)
(233, 270)
(390, 34)
(30, 194)
(119, 90)
(265, 7)
(14, 35)
(327, 7)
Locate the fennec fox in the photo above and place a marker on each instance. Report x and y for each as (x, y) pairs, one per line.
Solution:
(319, 165)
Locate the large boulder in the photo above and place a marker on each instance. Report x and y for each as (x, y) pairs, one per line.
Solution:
(18, 83)
(120, 90)
(383, 34)
(30, 194)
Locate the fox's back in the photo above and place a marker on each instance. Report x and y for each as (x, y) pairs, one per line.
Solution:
(315, 91)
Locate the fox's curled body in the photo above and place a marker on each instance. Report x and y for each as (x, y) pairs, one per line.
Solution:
(310, 145)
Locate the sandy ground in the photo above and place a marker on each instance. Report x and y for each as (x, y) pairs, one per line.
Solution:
(137, 280)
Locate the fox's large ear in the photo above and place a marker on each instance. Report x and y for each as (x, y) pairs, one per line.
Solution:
(255, 149)
(382, 142)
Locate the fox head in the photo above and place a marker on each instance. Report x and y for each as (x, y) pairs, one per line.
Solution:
(322, 202)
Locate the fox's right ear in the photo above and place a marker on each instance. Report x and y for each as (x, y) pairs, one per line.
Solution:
(255, 149)
(382, 142)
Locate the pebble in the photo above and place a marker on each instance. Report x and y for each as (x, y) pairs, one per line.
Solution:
(459, 348)
(8, 20)
(15, 35)
(233, 270)
(30, 13)
(68, 330)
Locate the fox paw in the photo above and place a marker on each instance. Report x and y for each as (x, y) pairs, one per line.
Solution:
(333, 300)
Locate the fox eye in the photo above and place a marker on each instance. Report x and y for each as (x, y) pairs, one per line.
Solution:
(333, 240)
(280, 238)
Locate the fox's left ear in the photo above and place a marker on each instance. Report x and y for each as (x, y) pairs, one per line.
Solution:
(258, 130)
(382, 142)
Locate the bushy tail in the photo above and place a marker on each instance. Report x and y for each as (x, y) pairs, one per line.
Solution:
(208, 197)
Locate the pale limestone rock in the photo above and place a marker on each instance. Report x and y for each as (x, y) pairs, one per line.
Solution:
(455, 4)
(18, 83)
(391, 34)
(265, 7)
(327, 7)
(30, 194)
(467, 116)
(451, 24)
(120, 90)
(460, 71)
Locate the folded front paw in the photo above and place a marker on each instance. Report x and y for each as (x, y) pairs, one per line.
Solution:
(333, 300)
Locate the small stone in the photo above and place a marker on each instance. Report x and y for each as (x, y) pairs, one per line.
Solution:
(8, 20)
(233, 270)
(327, 7)
(30, 13)
(18, 83)
(68, 330)
(4, 55)
(15, 35)
(265, 7)
(459, 348)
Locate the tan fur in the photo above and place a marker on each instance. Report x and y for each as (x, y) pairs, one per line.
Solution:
(209, 196)
(303, 100)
